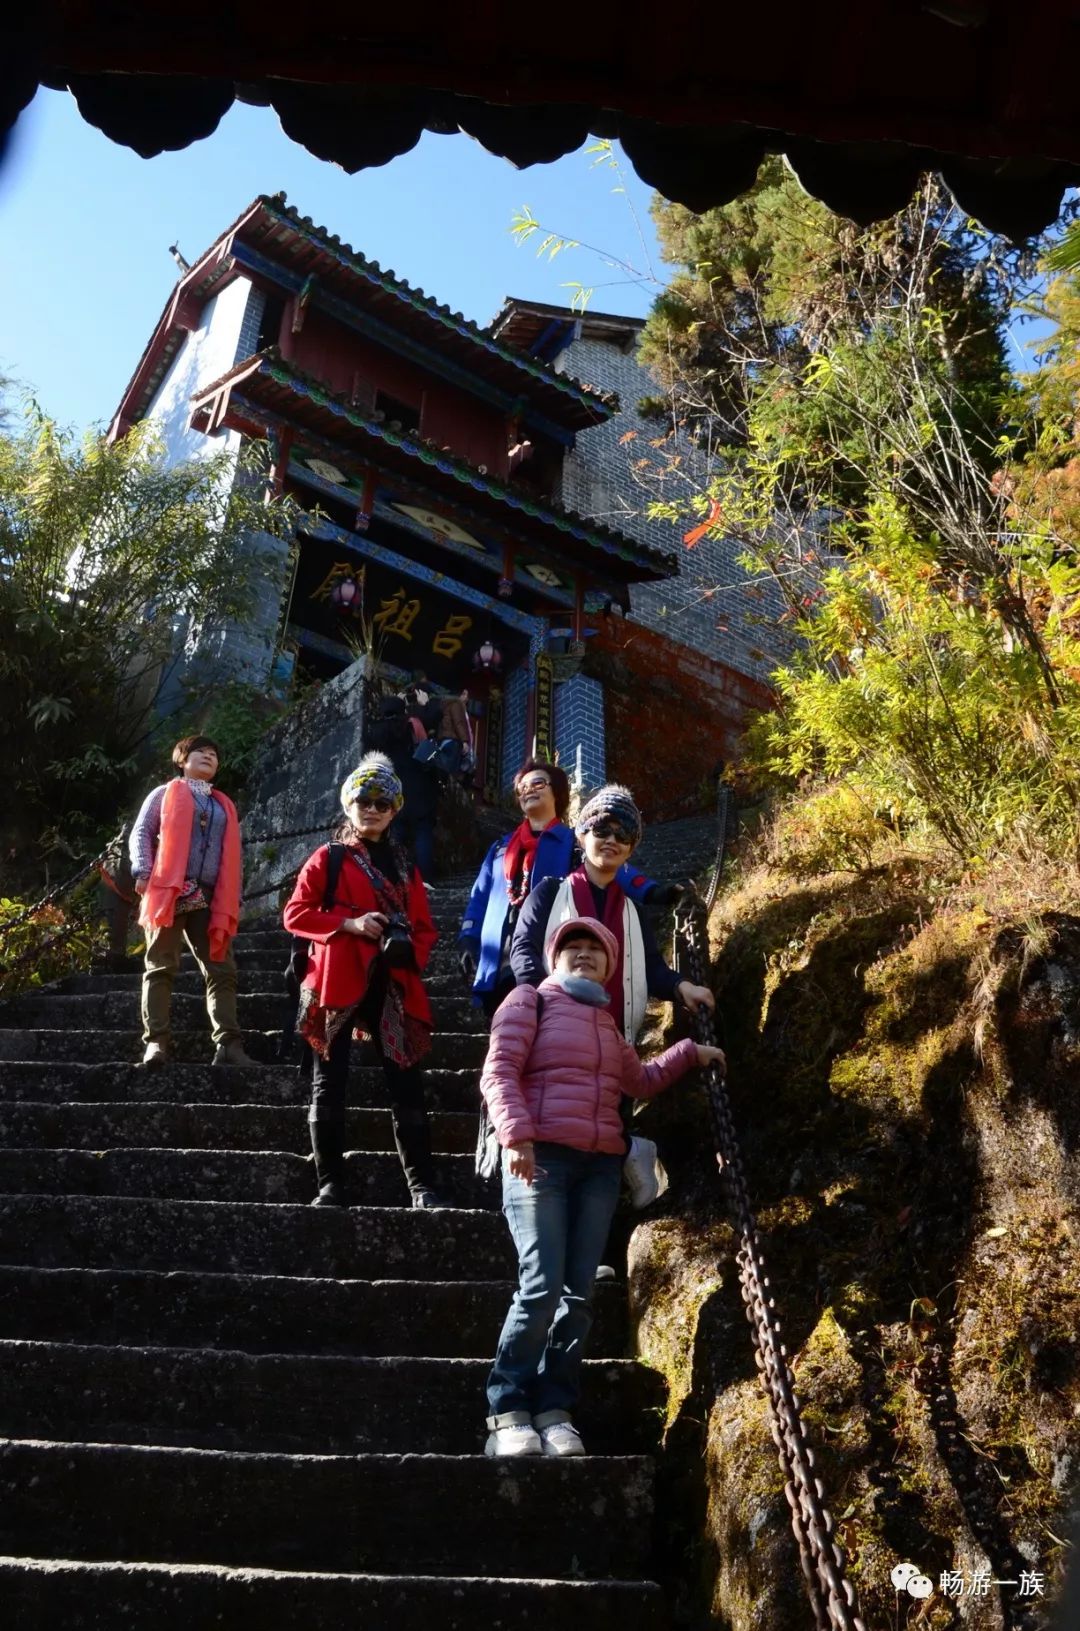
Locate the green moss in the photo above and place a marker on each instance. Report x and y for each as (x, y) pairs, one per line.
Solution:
(904, 1089)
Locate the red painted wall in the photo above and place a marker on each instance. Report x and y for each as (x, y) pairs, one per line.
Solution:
(670, 715)
(450, 417)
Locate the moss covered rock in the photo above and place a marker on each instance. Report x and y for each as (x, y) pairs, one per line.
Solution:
(904, 1074)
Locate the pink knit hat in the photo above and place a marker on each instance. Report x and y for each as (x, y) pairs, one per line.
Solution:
(590, 925)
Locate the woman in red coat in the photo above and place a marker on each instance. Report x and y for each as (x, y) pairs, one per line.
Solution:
(368, 952)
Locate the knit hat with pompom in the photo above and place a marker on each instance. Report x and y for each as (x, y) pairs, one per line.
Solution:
(374, 777)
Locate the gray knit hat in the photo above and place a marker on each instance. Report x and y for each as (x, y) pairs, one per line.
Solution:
(611, 803)
(375, 776)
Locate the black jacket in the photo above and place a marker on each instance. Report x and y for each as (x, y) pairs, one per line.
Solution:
(391, 733)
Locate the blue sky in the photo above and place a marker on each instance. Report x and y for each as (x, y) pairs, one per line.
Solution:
(87, 224)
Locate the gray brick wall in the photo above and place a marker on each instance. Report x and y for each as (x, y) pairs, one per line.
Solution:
(712, 605)
(515, 705)
(579, 729)
(247, 342)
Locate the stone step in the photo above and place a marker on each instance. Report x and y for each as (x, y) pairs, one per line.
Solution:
(262, 1177)
(447, 908)
(583, 1518)
(36, 1081)
(300, 1404)
(274, 959)
(160, 1125)
(37, 1596)
(456, 1319)
(234, 1237)
(119, 1010)
(454, 1049)
(442, 982)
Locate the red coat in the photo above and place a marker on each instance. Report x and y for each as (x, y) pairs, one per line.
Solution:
(339, 966)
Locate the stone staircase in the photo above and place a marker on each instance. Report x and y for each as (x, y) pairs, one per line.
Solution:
(219, 1406)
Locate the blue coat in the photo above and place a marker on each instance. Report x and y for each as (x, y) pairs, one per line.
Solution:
(484, 923)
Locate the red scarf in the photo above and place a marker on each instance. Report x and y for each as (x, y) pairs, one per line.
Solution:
(518, 861)
(585, 906)
(170, 865)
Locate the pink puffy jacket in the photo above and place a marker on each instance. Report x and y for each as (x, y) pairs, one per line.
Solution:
(562, 1080)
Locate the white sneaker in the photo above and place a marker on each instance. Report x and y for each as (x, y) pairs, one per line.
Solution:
(639, 1171)
(520, 1439)
(561, 1438)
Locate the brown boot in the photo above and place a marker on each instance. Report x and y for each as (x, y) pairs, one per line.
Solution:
(232, 1053)
(156, 1055)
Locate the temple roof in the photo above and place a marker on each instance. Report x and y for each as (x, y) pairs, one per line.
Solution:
(861, 96)
(265, 392)
(535, 326)
(271, 230)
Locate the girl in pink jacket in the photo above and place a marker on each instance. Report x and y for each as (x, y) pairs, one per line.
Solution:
(556, 1068)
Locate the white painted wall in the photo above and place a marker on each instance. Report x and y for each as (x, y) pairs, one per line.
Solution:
(207, 352)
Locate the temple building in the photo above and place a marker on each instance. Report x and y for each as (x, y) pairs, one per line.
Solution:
(463, 503)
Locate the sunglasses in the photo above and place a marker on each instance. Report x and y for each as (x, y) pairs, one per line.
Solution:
(533, 785)
(380, 805)
(611, 829)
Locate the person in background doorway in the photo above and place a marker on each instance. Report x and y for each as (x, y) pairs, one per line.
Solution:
(186, 866)
(556, 1069)
(391, 733)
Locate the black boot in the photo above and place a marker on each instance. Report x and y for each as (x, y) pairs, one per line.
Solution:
(412, 1135)
(328, 1147)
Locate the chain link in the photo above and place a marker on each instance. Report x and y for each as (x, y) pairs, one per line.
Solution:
(280, 837)
(55, 893)
(831, 1595)
(272, 888)
(50, 942)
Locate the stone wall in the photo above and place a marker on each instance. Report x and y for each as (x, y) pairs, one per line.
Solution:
(297, 780)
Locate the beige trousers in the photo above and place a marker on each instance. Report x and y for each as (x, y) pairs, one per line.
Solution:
(163, 949)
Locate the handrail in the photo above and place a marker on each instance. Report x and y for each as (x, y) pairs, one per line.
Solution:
(831, 1595)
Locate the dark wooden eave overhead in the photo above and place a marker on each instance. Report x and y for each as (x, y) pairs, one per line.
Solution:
(862, 97)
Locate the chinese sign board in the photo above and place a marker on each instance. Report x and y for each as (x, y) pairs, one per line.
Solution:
(404, 620)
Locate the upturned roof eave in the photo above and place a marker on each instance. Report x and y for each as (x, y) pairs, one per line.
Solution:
(576, 405)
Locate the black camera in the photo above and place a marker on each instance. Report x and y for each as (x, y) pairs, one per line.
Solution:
(397, 943)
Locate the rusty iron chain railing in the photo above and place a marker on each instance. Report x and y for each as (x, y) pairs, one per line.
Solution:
(831, 1595)
(55, 893)
(280, 837)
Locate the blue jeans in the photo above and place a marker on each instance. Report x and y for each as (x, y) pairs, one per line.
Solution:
(560, 1225)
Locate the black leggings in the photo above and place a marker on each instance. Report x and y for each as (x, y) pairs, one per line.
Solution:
(405, 1086)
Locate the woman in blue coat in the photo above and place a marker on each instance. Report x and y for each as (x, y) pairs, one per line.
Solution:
(543, 846)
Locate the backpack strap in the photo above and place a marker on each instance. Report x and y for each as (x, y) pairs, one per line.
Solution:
(335, 860)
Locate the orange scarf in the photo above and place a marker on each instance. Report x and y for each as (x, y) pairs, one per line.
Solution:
(170, 869)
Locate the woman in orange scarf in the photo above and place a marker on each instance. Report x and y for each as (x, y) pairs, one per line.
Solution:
(185, 861)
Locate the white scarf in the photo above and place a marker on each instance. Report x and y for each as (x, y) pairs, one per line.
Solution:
(635, 990)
